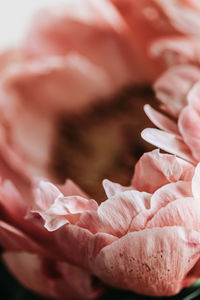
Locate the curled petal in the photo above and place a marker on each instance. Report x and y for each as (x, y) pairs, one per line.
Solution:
(162, 168)
(174, 144)
(111, 188)
(161, 121)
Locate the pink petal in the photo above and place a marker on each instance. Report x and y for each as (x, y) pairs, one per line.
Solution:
(51, 279)
(182, 212)
(189, 127)
(115, 215)
(172, 88)
(170, 192)
(168, 142)
(13, 239)
(111, 188)
(71, 189)
(184, 15)
(177, 50)
(80, 246)
(49, 83)
(196, 183)
(160, 120)
(152, 262)
(161, 168)
(160, 199)
(45, 194)
(194, 96)
(66, 210)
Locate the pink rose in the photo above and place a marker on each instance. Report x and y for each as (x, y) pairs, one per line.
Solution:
(145, 237)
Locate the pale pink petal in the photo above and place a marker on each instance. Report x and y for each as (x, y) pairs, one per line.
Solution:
(182, 212)
(111, 188)
(71, 189)
(161, 198)
(151, 262)
(196, 183)
(177, 50)
(194, 96)
(160, 120)
(161, 168)
(189, 126)
(14, 208)
(58, 83)
(80, 246)
(172, 87)
(115, 215)
(45, 193)
(66, 210)
(169, 193)
(184, 15)
(168, 142)
(54, 31)
(54, 279)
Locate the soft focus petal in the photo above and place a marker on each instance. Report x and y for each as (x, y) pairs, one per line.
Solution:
(13, 239)
(147, 263)
(57, 280)
(172, 88)
(184, 15)
(177, 50)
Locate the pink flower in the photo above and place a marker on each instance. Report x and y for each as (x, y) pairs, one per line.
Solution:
(145, 237)
(178, 91)
(31, 253)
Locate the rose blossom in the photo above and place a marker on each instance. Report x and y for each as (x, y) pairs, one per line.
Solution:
(150, 229)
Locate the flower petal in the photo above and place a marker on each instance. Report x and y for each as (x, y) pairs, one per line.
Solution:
(161, 168)
(151, 262)
(174, 144)
(51, 279)
(161, 121)
(172, 87)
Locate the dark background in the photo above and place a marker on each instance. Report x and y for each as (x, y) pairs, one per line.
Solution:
(10, 289)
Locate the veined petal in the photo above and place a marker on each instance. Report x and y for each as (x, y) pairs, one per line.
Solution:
(151, 262)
